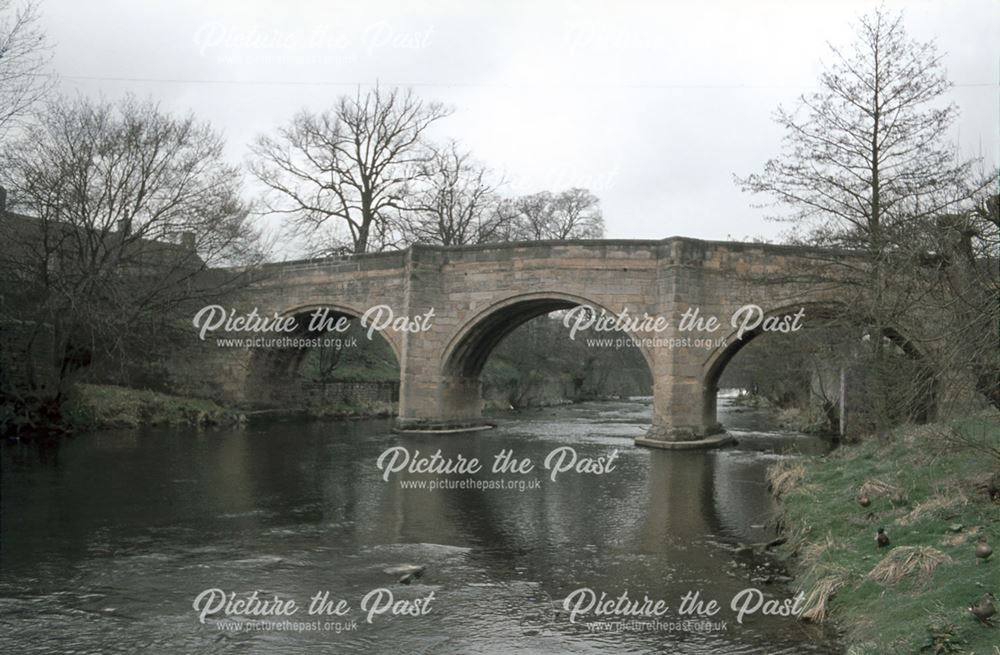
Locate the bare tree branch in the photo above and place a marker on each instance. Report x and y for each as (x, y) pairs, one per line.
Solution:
(350, 167)
(123, 209)
(24, 59)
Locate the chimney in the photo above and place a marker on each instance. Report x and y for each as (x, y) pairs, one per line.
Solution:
(187, 240)
(3, 201)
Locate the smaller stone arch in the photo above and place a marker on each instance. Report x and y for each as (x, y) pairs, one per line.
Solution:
(269, 368)
(717, 360)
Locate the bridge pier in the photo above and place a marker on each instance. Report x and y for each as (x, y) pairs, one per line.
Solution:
(684, 412)
(440, 369)
(449, 404)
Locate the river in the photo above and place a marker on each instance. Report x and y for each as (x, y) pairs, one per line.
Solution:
(107, 540)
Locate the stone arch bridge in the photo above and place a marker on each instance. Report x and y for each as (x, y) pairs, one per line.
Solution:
(479, 294)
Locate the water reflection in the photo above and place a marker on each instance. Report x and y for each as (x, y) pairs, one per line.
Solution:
(107, 540)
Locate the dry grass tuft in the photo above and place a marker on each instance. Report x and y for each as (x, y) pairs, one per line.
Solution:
(962, 537)
(955, 540)
(917, 435)
(784, 477)
(980, 485)
(904, 561)
(875, 488)
(811, 553)
(932, 504)
(815, 606)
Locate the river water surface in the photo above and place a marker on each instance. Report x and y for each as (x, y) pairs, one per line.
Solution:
(107, 540)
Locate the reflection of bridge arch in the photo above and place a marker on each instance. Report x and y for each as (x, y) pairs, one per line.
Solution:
(658, 504)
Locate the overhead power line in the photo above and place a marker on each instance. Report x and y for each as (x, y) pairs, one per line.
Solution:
(342, 83)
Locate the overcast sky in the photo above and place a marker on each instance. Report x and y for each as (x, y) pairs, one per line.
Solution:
(652, 105)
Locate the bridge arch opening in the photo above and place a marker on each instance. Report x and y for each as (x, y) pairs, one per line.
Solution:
(325, 369)
(505, 329)
(802, 370)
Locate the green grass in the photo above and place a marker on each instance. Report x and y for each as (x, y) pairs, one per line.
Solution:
(926, 492)
(106, 406)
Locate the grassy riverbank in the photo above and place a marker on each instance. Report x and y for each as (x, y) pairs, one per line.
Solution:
(97, 406)
(100, 406)
(929, 486)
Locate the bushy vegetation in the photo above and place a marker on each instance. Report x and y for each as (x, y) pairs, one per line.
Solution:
(365, 361)
(107, 406)
(799, 375)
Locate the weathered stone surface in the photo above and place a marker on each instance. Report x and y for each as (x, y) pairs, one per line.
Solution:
(479, 294)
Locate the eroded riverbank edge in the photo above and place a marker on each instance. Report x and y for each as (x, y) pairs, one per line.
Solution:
(104, 407)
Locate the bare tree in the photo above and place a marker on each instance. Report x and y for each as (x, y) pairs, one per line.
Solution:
(961, 255)
(351, 166)
(577, 216)
(24, 57)
(571, 214)
(455, 203)
(509, 224)
(865, 165)
(122, 210)
(864, 157)
(534, 214)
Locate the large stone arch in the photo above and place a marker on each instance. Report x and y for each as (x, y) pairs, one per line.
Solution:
(469, 344)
